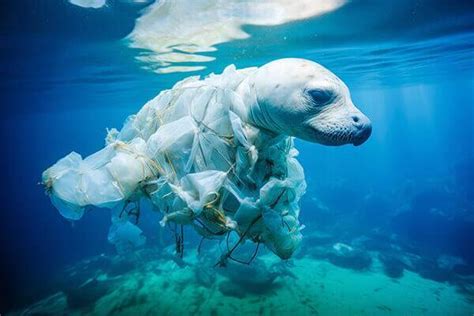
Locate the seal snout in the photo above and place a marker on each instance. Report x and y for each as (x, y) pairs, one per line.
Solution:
(364, 128)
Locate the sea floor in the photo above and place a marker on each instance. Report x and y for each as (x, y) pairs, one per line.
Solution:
(111, 286)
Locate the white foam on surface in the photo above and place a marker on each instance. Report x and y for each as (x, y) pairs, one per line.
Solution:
(177, 31)
(95, 4)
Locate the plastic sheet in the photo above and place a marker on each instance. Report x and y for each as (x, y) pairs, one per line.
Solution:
(197, 162)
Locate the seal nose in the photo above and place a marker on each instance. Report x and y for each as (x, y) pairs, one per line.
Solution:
(359, 120)
(364, 128)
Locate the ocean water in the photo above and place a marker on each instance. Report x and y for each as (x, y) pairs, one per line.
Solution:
(389, 224)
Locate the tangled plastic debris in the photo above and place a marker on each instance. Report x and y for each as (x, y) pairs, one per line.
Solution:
(197, 162)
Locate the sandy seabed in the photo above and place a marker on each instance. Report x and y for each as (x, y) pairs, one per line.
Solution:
(314, 287)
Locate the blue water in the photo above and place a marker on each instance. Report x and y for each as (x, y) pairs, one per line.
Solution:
(67, 73)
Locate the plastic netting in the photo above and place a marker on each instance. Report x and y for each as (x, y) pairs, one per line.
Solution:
(197, 162)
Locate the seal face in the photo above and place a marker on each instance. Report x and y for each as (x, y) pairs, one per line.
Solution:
(300, 98)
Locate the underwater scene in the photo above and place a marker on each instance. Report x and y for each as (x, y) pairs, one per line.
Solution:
(237, 157)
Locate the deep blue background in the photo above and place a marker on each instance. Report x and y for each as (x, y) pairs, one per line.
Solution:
(66, 76)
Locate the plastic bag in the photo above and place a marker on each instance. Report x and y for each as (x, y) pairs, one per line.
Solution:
(197, 162)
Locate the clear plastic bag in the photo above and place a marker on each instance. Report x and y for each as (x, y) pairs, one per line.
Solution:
(197, 162)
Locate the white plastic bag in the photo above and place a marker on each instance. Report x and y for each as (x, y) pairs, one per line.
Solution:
(197, 162)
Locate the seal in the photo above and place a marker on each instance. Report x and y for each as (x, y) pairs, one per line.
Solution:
(216, 154)
(300, 98)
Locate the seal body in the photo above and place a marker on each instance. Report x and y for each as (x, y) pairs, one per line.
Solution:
(216, 154)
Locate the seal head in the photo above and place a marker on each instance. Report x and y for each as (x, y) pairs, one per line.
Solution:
(301, 98)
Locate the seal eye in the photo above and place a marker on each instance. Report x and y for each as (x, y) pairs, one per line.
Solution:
(321, 96)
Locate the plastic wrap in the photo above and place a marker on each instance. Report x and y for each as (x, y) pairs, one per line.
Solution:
(197, 162)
